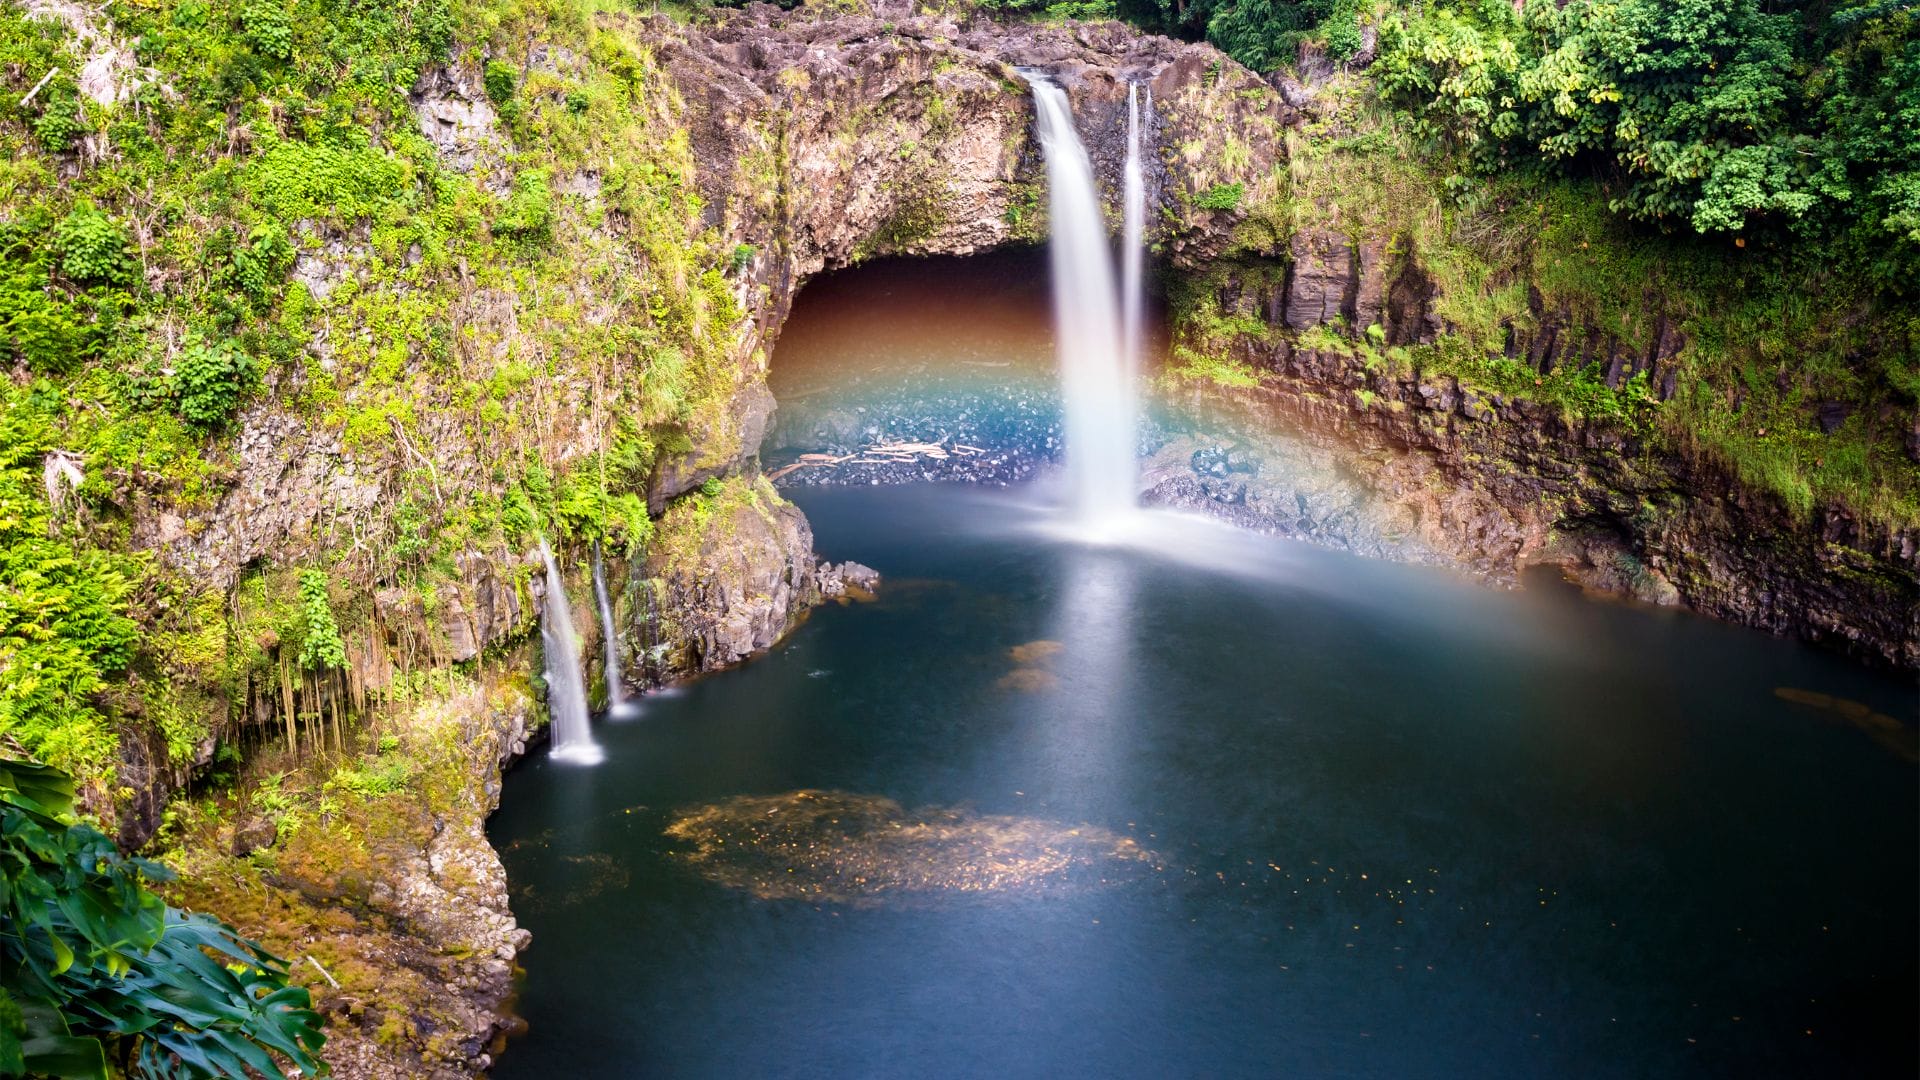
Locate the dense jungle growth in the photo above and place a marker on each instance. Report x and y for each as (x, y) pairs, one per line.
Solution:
(1788, 122)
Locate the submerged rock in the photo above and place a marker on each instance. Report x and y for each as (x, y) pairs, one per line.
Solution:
(847, 581)
(850, 848)
(1899, 739)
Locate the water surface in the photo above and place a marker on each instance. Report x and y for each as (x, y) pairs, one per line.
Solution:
(1056, 809)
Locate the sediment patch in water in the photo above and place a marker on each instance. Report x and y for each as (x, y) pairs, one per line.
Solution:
(852, 848)
(1033, 672)
(1888, 733)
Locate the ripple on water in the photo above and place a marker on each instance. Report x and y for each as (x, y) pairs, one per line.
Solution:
(851, 848)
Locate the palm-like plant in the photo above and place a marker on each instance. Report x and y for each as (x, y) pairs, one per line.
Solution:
(94, 965)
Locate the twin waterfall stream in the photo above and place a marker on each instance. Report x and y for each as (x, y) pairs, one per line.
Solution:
(1099, 335)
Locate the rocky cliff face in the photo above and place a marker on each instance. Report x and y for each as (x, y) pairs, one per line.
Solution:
(386, 896)
(822, 141)
(726, 580)
(1494, 482)
(1332, 449)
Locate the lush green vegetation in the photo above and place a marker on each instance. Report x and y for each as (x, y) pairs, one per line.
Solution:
(99, 977)
(148, 296)
(1791, 124)
(1262, 34)
(64, 631)
(1783, 123)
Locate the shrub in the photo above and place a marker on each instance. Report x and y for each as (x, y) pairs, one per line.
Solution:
(321, 648)
(370, 781)
(93, 250)
(528, 214)
(500, 81)
(433, 27)
(50, 329)
(1084, 10)
(209, 381)
(1261, 34)
(261, 264)
(60, 121)
(269, 29)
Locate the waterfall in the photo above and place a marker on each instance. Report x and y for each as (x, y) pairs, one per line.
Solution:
(1133, 250)
(617, 704)
(1095, 382)
(566, 689)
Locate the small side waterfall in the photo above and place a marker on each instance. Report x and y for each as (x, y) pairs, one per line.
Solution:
(566, 689)
(1095, 379)
(1133, 250)
(617, 704)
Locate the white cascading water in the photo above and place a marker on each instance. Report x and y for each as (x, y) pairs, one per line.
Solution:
(1095, 381)
(1133, 249)
(566, 688)
(617, 704)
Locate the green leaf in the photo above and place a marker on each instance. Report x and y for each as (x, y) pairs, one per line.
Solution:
(67, 1056)
(62, 955)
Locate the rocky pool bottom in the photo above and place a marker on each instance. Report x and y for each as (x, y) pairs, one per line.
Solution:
(1203, 801)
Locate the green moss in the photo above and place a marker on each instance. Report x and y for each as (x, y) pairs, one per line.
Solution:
(1224, 197)
(1190, 366)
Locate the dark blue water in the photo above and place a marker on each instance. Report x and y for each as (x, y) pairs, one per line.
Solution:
(1387, 824)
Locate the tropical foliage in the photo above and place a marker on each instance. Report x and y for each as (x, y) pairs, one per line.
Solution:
(1262, 34)
(99, 976)
(1711, 116)
(1788, 122)
(63, 625)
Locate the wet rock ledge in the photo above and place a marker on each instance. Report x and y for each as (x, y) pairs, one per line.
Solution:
(1425, 469)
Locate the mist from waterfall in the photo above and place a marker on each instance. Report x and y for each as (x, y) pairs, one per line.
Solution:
(566, 688)
(617, 704)
(1096, 380)
(1133, 248)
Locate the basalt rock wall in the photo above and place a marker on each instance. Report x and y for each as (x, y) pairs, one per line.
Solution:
(1493, 484)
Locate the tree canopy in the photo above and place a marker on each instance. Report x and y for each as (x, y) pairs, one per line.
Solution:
(1715, 116)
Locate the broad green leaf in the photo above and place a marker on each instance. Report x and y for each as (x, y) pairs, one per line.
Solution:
(69, 1057)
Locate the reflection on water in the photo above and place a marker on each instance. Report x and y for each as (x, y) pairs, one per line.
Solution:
(1399, 826)
(838, 846)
